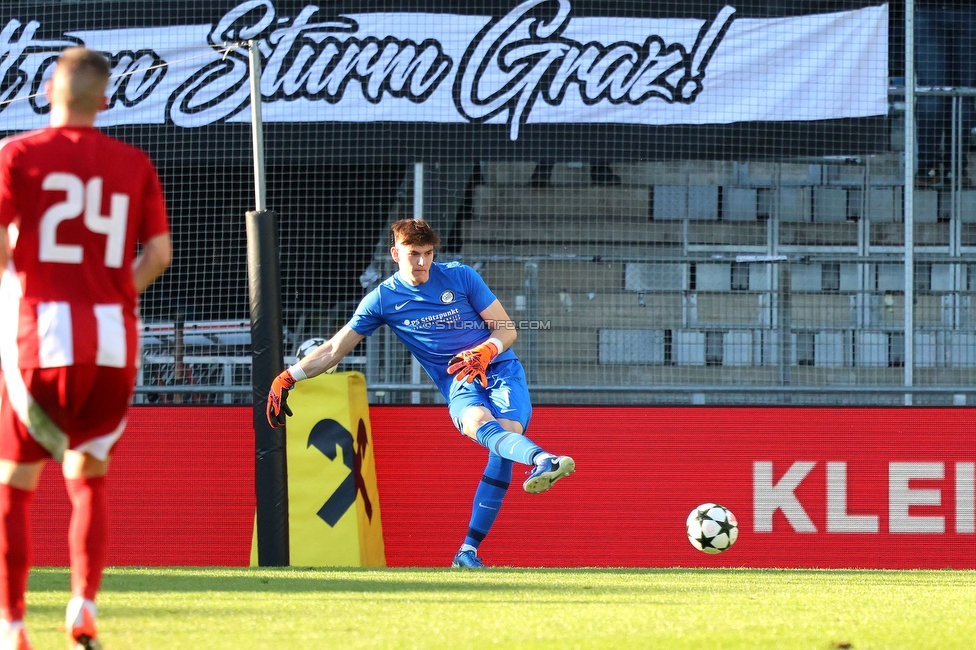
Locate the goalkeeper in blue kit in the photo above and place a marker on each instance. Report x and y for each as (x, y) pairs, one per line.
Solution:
(459, 332)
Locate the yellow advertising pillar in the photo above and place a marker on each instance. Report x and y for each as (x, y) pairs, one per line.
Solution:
(333, 501)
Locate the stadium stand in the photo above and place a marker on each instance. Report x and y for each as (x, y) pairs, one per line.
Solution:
(638, 282)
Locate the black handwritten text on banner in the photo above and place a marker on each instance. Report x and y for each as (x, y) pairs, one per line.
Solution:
(535, 65)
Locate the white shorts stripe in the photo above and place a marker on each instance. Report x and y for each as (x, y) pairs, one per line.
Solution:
(101, 446)
(111, 336)
(37, 422)
(55, 346)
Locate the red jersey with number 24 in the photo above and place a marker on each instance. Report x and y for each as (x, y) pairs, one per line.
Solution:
(75, 202)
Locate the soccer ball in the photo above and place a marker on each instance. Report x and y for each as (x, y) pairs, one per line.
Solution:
(306, 348)
(712, 528)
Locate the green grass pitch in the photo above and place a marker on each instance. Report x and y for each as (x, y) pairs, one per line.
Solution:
(720, 609)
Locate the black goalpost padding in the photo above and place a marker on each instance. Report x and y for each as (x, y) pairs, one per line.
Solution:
(267, 350)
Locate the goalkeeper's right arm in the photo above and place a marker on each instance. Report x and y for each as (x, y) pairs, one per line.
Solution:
(329, 354)
(319, 360)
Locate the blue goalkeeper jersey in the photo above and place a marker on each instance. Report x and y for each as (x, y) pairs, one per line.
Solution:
(435, 320)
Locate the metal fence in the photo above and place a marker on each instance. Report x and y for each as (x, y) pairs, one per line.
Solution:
(695, 282)
(723, 258)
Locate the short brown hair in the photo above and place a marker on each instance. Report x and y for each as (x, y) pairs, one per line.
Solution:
(413, 232)
(86, 74)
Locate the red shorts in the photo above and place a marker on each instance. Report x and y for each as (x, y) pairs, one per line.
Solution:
(47, 410)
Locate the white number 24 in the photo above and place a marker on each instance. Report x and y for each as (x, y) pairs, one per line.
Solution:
(81, 199)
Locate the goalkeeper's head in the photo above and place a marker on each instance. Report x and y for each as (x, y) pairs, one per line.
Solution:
(412, 247)
(413, 232)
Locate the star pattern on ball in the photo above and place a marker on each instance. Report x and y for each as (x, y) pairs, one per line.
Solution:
(712, 528)
(724, 526)
(705, 541)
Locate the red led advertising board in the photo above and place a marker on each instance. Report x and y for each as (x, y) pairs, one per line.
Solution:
(811, 487)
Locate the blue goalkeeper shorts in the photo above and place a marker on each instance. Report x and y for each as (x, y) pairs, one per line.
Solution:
(507, 395)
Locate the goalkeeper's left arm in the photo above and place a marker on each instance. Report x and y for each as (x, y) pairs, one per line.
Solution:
(472, 364)
(320, 360)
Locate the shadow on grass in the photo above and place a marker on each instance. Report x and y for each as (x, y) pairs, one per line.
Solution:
(617, 581)
(355, 580)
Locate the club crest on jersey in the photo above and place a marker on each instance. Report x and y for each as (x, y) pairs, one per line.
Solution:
(447, 297)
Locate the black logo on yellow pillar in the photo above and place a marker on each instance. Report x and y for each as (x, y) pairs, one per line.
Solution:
(327, 436)
(362, 441)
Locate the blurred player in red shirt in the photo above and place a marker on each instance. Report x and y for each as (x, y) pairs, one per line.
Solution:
(75, 205)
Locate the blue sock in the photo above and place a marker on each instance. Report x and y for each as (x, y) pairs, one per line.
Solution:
(513, 446)
(488, 498)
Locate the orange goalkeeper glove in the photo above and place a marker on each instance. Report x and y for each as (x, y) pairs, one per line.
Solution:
(472, 364)
(278, 398)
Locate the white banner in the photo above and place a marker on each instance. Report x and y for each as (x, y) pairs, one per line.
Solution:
(518, 70)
